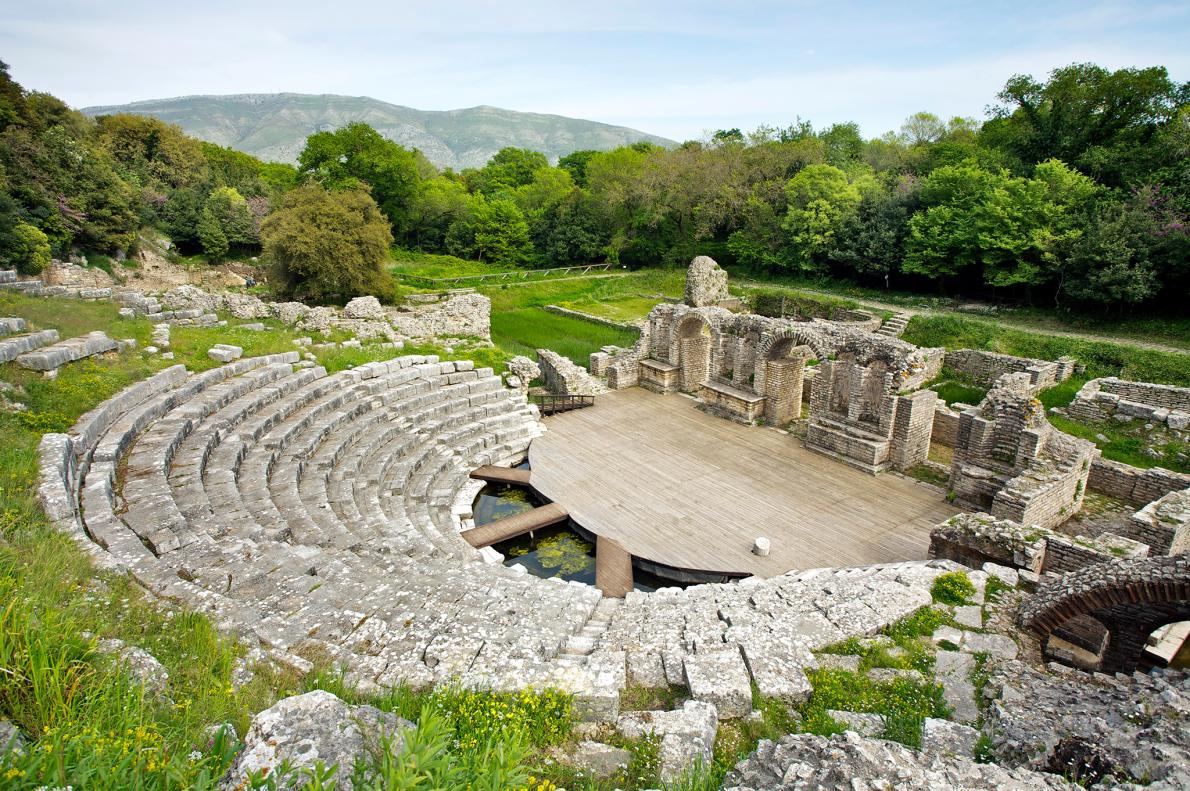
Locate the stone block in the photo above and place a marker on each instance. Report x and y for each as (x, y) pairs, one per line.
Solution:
(719, 676)
(943, 738)
(225, 353)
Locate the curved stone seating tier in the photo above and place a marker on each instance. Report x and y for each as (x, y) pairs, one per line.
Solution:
(319, 515)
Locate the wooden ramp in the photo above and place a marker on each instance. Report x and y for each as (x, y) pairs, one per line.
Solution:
(613, 568)
(510, 475)
(515, 525)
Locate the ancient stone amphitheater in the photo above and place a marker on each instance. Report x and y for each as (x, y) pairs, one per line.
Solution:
(321, 517)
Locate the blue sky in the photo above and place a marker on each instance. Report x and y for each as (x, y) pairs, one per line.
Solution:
(678, 69)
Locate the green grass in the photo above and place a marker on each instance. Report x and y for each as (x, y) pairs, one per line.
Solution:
(1102, 358)
(411, 262)
(953, 587)
(1125, 443)
(526, 330)
(92, 726)
(624, 309)
(959, 393)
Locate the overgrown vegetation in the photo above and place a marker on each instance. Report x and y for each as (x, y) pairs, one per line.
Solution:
(1102, 358)
(953, 587)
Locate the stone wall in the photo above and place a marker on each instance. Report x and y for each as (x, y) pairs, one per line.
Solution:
(1134, 485)
(1121, 400)
(578, 314)
(459, 316)
(1066, 553)
(946, 425)
(856, 416)
(1009, 460)
(986, 367)
(563, 377)
(1163, 524)
(978, 538)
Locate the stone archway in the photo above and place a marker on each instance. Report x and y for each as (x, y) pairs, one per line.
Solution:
(1130, 598)
(693, 338)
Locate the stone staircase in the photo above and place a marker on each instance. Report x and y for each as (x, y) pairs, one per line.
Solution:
(894, 326)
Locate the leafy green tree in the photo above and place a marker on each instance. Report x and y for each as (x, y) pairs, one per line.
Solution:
(820, 198)
(508, 169)
(571, 231)
(226, 221)
(501, 233)
(440, 202)
(357, 153)
(576, 165)
(871, 241)
(1102, 122)
(325, 245)
(1110, 262)
(844, 143)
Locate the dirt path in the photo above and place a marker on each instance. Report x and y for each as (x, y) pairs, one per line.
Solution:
(999, 321)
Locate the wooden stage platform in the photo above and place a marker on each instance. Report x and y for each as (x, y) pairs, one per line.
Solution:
(678, 487)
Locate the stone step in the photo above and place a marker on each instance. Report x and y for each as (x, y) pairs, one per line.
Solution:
(49, 358)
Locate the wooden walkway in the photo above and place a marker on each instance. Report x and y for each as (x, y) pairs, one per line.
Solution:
(679, 487)
(509, 475)
(515, 525)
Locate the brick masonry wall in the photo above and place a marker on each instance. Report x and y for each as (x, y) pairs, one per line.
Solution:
(987, 367)
(946, 425)
(1134, 485)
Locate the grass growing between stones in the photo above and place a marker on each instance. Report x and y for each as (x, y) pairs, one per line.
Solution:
(90, 724)
(905, 703)
(1128, 443)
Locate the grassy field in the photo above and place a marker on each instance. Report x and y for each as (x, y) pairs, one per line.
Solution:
(525, 330)
(1170, 330)
(1102, 358)
(521, 326)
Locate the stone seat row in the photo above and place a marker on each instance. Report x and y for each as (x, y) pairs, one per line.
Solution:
(296, 576)
(317, 515)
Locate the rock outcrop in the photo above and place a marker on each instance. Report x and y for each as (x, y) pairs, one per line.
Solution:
(706, 283)
(306, 729)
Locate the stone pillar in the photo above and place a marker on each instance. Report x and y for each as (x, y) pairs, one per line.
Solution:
(695, 354)
(783, 390)
(913, 422)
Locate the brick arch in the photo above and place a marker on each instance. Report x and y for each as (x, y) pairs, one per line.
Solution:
(797, 337)
(1130, 598)
(689, 326)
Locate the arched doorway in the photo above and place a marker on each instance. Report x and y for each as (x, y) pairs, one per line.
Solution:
(694, 352)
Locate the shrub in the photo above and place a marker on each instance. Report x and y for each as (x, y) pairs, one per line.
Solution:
(952, 587)
(328, 245)
(29, 248)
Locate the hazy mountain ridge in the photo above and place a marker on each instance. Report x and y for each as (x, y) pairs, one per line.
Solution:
(274, 126)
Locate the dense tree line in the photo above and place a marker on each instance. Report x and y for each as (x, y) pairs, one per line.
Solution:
(1075, 190)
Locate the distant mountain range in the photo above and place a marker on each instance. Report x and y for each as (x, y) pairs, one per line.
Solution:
(274, 126)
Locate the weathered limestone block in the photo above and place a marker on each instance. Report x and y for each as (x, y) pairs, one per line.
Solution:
(11, 348)
(305, 729)
(863, 724)
(850, 761)
(224, 352)
(11, 324)
(49, 358)
(947, 739)
(364, 308)
(139, 663)
(719, 676)
(687, 735)
(525, 370)
(706, 283)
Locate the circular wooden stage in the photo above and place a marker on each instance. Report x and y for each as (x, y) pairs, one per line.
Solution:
(680, 488)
